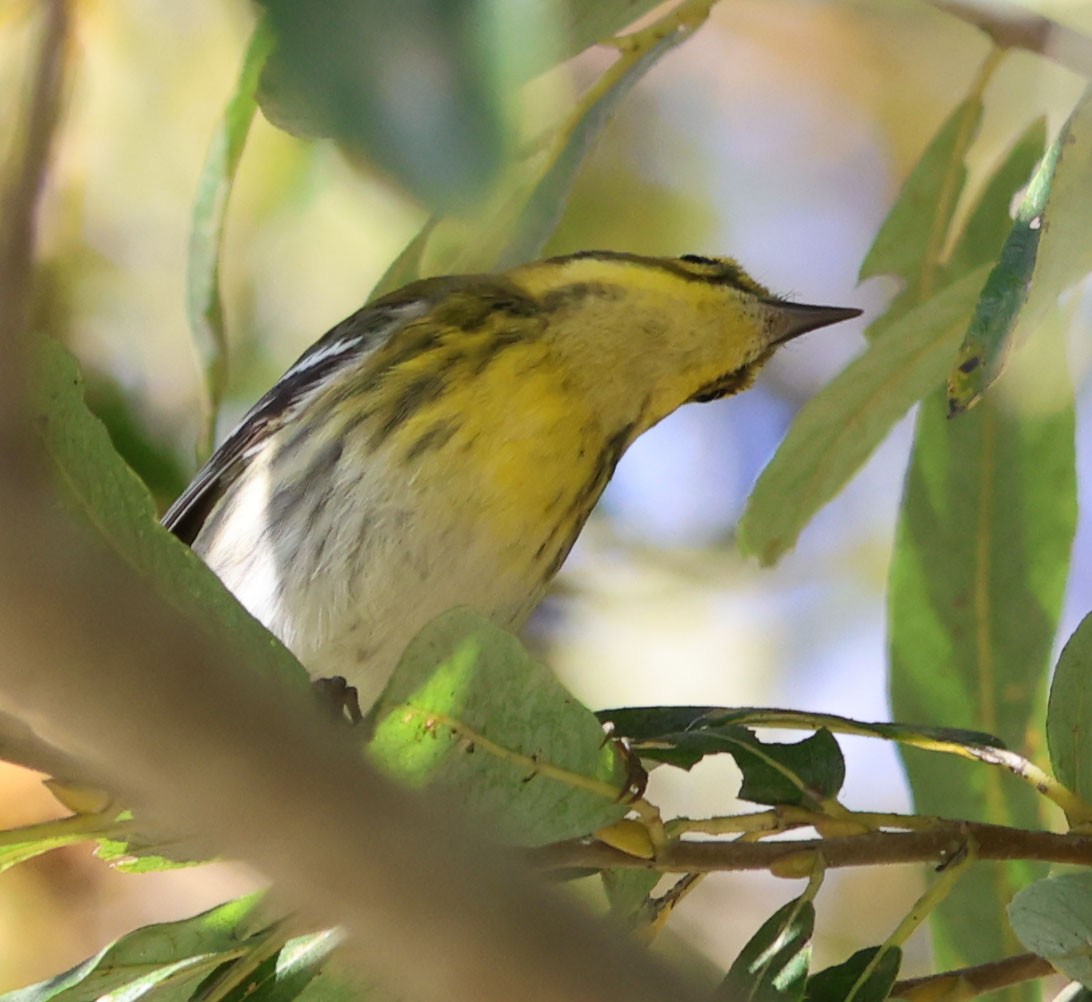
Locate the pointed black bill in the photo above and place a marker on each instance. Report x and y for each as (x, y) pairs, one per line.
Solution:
(784, 321)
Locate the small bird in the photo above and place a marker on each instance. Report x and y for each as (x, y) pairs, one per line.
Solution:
(445, 444)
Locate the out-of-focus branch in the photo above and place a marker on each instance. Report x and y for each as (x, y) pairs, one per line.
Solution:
(19, 203)
(1013, 27)
(98, 667)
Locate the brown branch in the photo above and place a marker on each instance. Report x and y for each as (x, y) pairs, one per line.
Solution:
(967, 982)
(19, 205)
(1012, 27)
(936, 846)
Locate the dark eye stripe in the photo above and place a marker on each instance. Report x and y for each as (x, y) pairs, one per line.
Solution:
(698, 259)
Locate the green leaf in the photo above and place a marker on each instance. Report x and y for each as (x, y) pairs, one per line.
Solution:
(628, 891)
(988, 223)
(987, 343)
(1046, 252)
(294, 972)
(584, 24)
(204, 306)
(1053, 918)
(19, 852)
(420, 88)
(1069, 713)
(976, 584)
(656, 725)
(170, 959)
(800, 774)
(144, 448)
(912, 236)
(445, 134)
(104, 495)
(773, 966)
(530, 218)
(469, 713)
(848, 982)
(523, 211)
(837, 430)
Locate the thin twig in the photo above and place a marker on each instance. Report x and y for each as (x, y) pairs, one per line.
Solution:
(976, 980)
(1013, 27)
(935, 846)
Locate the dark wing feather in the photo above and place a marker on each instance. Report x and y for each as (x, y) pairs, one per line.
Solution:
(342, 346)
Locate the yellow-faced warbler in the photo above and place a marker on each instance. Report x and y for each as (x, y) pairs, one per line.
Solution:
(445, 444)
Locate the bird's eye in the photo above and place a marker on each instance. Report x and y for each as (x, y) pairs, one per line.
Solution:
(698, 259)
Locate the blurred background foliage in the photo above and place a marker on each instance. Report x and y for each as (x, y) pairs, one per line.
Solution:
(779, 133)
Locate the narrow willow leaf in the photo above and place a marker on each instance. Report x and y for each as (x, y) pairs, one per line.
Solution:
(837, 430)
(538, 210)
(1069, 713)
(988, 223)
(525, 211)
(773, 966)
(1053, 918)
(976, 583)
(165, 962)
(913, 235)
(988, 341)
(295, 972)
(848, 982)
(642, 725)
(1047, 251)
(204, 306)
(807, 470)
(470, 714)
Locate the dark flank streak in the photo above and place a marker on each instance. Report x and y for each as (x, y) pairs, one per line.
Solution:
(435, 438)
(379, 334)
(414, 396)
(311, 491)
(576, 514)
(491, 349)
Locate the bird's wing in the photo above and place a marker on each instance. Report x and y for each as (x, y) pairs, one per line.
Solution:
(345, 345)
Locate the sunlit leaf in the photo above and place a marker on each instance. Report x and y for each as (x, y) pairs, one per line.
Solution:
(470, 714)
(773, 966)
(169, 960)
